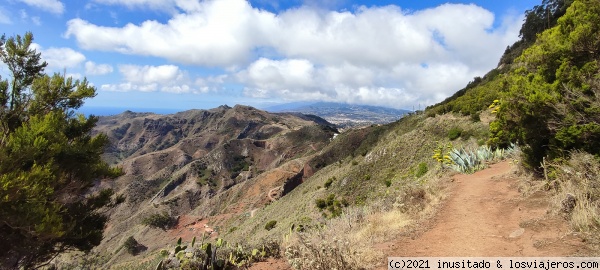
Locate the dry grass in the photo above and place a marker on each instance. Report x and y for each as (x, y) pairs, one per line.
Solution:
(345, 242)
(348, 242)
(578, 196)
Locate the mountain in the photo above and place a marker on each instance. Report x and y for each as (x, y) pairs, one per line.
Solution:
(202, 163)
(344, 115)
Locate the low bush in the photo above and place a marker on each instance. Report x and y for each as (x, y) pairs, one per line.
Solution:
(270, 225)
(329, 182)
(388, 183)
(332, 205)
(454, 133)
(421, 170)
(131, 245)
(218, 254)
(163, 221)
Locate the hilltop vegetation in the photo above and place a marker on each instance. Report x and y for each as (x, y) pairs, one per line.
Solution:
(48, 162)
(482, 91)
(547, 97)
(551, 103)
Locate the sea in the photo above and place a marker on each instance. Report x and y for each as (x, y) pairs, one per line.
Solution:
(108, 111)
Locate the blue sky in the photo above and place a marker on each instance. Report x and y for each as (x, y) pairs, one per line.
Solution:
(184, 54)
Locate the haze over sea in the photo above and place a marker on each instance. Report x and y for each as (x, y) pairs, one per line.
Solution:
(106, 111)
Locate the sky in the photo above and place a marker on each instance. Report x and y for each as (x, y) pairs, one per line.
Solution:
(186, 54)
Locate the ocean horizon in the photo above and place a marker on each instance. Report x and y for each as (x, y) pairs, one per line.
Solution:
(108, 111)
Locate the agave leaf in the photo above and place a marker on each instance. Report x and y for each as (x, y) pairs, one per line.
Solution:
(219, 242)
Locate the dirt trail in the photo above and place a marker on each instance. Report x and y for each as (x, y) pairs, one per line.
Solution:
(485, 215)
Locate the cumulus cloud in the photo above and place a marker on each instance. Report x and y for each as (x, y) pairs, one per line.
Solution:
(150, 74)
(92, 68)
(59, 58)
(220, 33)
(166, 78)
(62, 57)
(381, 55)
(401, 86)
(52, 6)
(126, 87)
(210, 83)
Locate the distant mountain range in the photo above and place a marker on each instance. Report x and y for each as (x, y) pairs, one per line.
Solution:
(343, 115)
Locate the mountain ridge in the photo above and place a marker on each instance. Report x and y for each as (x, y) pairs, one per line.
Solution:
(342, 114)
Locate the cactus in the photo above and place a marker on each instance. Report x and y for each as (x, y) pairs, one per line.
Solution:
(206, 256)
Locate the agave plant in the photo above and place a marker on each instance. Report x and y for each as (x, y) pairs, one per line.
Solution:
(471, 161)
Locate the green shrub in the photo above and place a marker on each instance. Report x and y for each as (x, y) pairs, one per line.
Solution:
(270, 225)
(454, 133)
(421, 170)
(465, 135)
(329, 182)
(551, 104)
(332, 205)
(388, 183)
(218, 254)
(163, 221)
(131, 245)
(321, 204)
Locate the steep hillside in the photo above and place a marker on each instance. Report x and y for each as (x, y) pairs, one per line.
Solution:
(374, 170)
(482, 91)
(203, 163)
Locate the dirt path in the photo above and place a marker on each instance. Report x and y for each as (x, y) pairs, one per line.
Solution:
(485, 215)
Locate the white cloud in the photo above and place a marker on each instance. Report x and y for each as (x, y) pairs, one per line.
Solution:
(150, 74)
(165, 78)
(381, 55)
(286, 75)
(210, 83)
(25, 17)
(52, 6)
(126, 87)
(400, 86)
(92, 68)
(4, 16)
(59, 58)
(218, 33)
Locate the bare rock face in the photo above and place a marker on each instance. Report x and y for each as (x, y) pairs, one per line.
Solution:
(307, 171)
(205, 162)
